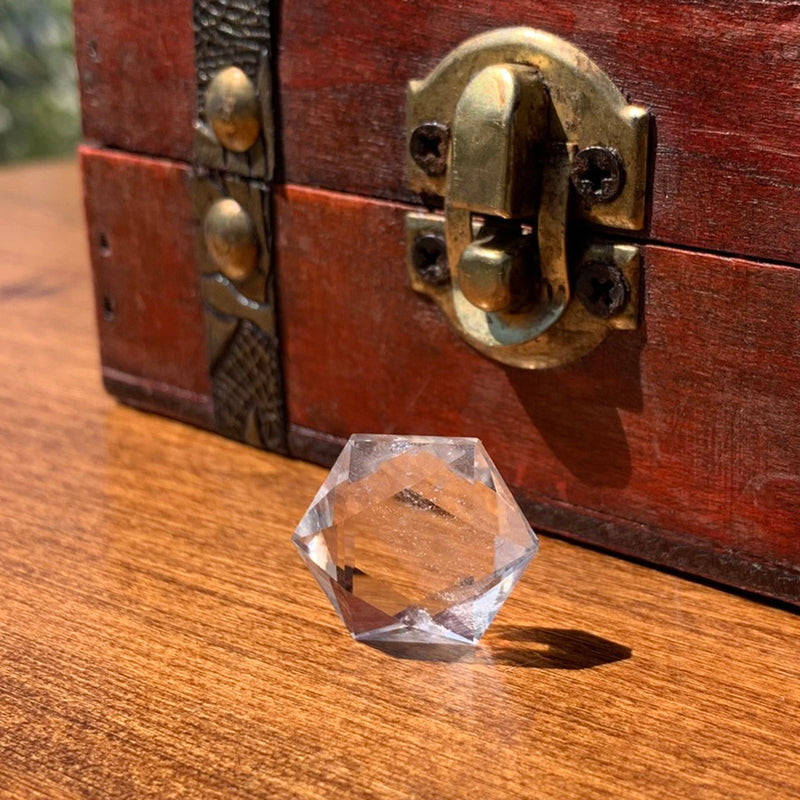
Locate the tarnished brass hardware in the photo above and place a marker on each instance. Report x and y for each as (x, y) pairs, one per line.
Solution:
(224, 297)
(232, 109)
(499, 123)
(231, 239)
(578, 330)
(498, 270)
(234, 33)
(428, 147)
(429, 258)
(603, 289)
(507, 129)
(238, 295)
(598, 174)
(233, 158)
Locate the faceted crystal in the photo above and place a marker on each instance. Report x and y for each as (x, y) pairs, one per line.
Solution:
(415, 539)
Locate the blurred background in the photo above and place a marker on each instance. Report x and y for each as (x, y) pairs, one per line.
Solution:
(39, 112)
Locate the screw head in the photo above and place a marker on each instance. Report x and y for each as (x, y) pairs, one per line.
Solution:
(429, 256)
(598, 174)
(603, 289)
(232, 110)
(428, 148)
(232, 239)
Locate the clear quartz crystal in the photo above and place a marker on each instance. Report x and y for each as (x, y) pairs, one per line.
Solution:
(415, 539)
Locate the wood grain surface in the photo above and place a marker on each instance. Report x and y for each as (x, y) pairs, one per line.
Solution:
(677, 442)
(142, 239)
(160, 638)
(137, 75)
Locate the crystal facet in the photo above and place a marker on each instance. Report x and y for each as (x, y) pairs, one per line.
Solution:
(415, 539)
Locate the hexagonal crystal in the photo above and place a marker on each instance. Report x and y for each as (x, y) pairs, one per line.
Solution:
(415, 539)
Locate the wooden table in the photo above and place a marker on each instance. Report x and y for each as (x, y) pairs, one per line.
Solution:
(159, 637)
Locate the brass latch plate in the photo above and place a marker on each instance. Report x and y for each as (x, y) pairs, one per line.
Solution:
(527, 142)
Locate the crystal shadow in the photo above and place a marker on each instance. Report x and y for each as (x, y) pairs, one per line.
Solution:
(554, 648)
(519, 646)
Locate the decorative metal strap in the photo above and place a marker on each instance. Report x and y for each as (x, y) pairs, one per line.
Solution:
(229, 33)
(234, 157)
(233, 60)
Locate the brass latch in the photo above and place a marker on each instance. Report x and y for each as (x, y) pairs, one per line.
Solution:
(527, 142)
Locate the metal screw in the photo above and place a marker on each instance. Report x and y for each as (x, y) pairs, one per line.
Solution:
(428, 148)
(598, 174)
(429, 256)
(603, 289)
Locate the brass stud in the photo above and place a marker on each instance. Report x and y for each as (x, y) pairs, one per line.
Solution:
(232, 109)
(231, 239)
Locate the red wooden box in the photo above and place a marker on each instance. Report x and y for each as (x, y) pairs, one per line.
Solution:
(677, 442)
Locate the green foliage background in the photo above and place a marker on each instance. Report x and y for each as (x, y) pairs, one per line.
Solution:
(39, 113)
